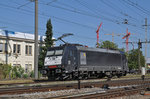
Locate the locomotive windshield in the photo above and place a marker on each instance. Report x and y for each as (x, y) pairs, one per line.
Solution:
(54, 52)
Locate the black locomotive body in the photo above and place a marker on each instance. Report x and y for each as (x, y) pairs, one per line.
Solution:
(71, 61)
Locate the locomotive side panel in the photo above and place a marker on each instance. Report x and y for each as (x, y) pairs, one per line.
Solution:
(70, 59)
(100, 61)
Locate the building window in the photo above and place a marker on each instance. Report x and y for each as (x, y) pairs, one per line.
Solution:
(16, 65)
(16, 48)
(28, 50)
(28, 68)
(1, 47)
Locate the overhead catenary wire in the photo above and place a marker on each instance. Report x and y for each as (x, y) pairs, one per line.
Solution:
(59, 18)
(135, 6)
(83, 13)
(45, 15)
(111, 20)
(129, 7)
(118, 9)
(18, 24)
(51, 2)
(114, 7)
(95, 11)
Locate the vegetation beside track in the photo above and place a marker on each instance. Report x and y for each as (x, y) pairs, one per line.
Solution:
(15, 81)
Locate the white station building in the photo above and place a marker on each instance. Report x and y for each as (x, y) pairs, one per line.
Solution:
(17, 48)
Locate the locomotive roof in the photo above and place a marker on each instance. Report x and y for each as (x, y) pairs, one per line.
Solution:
(84, 48)
(98, 50)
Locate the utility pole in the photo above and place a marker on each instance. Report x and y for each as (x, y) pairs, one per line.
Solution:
(139, 46)
(36, 41)
(145, 40)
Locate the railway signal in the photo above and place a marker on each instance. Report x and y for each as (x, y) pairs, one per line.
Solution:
(139, 47)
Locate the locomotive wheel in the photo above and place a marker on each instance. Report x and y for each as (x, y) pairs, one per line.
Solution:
(51, 78)
(118, 75)
(86, 77)
(109, 77)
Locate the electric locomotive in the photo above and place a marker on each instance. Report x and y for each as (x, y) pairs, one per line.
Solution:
(72, 61)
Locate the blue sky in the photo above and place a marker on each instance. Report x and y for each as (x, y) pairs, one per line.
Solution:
(80, 17)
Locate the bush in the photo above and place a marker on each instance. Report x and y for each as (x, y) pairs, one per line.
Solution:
(25, 76)
(12, 72)
(32, 74)
(5, 70)
(17, 72)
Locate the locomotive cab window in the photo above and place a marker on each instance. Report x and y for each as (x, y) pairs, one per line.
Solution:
(58, 52)
(54, 52)
(50, 53)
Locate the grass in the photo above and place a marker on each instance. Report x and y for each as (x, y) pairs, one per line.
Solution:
(31, 80)
(16, 81)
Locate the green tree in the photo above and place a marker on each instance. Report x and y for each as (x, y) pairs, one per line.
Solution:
(133, 59)
(108, 45)
(48, 43)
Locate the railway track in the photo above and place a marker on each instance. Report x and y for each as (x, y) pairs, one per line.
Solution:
(55, 87)
(47, 81)
(9, 83)
(107, 94)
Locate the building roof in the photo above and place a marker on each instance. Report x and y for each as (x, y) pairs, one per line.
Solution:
(20, 35)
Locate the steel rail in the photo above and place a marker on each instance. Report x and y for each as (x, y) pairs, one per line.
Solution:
(43, 88)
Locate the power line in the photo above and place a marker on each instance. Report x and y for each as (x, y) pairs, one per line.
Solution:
(114, 7)
(51, 2)
(129, 7)
(18, 24)
(101, 16)
(118, 9)
(135, 6)
(144, 10)
(108, 19)
(97, 10)
(57, 18)
(23, 5)
(60, 19)
(83, 13)
(42, 14)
